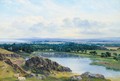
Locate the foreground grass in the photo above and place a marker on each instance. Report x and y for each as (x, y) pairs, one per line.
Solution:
(5, 70)
(55, 76)
(64, 76)
(114, 78)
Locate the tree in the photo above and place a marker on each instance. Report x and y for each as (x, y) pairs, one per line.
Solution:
(114, 54)
(85, 51)
(103, 55)
(82, 51)
(108, 54)
(117, 57)
(93, 52)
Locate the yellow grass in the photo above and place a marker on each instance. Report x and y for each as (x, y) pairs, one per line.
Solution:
(3, 51)
(114, 78)
(62, 74)
(5, 70)
(112, 48)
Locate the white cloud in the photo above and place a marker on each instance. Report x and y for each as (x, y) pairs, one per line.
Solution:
(46, 18)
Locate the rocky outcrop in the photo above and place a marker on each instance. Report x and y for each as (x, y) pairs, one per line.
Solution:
(88, 76)
(91, 75)
(76, 78)
(40, 64)
(10, 55)
(6, 53)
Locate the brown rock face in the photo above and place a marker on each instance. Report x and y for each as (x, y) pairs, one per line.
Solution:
(10, 55)
(40, 64)
(91, 75)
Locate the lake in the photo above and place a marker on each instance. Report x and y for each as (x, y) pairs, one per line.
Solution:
(79, 64)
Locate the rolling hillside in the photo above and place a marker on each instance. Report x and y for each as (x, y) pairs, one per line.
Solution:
(3, 51)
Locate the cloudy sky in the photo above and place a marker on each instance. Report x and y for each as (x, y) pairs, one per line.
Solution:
(59, 18)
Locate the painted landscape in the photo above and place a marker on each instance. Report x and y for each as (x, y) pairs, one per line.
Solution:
(59, 40)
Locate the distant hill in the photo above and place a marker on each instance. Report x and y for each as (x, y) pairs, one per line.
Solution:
(9, 41)
(78, 40)
(70, 39)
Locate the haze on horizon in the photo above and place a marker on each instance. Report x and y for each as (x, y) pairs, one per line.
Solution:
(59, 18)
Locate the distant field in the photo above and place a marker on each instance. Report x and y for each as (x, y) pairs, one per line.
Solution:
(112, 48)
(104, 51)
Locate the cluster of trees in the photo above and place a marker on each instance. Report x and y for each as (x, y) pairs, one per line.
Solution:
(66, 47)
(93, 52)
(107, 54)
(116, 56)
(18, 47)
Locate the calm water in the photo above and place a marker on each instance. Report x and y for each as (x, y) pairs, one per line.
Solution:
(80, 65)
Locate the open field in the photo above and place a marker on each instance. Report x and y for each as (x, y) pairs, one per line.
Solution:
(104, 51)
(108, 62)
(112, 48)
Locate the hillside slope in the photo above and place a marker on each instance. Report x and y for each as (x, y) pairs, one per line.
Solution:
(3, 51)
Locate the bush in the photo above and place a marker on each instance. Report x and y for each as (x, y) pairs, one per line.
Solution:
(93, 52)
(103, 55)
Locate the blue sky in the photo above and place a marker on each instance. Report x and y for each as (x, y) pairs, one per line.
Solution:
(59, 18)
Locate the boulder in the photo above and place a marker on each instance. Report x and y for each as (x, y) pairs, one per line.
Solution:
(91, 75)
(31, 75)
(41, 77)
(21, 78)
(76, 78)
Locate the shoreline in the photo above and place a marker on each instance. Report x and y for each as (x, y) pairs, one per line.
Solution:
(109, 63)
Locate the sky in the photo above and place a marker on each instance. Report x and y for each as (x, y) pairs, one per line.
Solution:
(59, 18)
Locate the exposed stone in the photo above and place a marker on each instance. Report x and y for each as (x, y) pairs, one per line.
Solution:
(31, 75)
(21, 78)
(41, 77)
(10, 55)
(91, 75)
(76, 78)
(40, 65)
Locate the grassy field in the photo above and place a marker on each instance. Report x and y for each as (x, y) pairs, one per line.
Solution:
(112, 48)
(108, 62)
(104, 51)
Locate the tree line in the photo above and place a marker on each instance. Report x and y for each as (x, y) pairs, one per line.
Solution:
(66, 47)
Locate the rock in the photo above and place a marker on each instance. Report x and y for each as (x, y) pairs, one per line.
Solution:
(41, 77)
(76, 78)
(10, 55)
(91, 75)
(31, 75)
(21, 78)
(41, 65)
